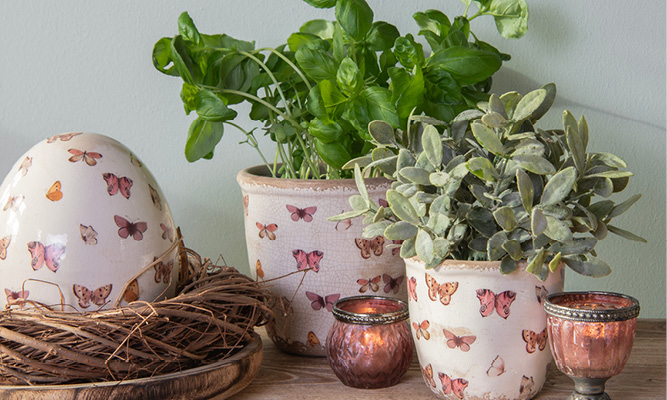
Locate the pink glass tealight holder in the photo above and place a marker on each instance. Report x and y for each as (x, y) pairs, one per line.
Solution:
(370, 345)
(591, 336)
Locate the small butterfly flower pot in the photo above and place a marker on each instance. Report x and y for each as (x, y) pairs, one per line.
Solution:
(287, 231)
(478, 333)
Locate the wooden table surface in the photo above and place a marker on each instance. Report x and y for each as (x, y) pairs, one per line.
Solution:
(284, 376)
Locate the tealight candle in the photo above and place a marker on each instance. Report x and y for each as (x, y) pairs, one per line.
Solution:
(591, 335)
(370, 345)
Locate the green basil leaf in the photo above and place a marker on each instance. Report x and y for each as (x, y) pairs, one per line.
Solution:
(349, 77)
(511, 17)
(211, 108)
(382, 36)
(380, 106)
(162, 57)
(298, 39)
(355, 17)
(203, 136)
(182, 60)
(334, 101)
(412, 96)
(326, 132)
(319, 27)
(188, 30)
(334, 154)
(408, 52)
(315, 62)
(321, 3)
(188, 93)
(467, 65)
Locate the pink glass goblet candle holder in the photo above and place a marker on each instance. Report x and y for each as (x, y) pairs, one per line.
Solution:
(370, 345)
(591, 335)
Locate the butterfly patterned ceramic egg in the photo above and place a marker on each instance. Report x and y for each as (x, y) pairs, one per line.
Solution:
(80, 218)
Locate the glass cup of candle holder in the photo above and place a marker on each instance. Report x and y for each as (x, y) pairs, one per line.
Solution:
(370, 345)
(591, 335)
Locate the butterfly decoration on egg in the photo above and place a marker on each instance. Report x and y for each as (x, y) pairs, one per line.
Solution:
(4, 245)
(155, 197)
(88, 234)
(18, 298)
(167, 232)
(116, 185)
(63, 137)
(13, 202)
(86, 296)
(25, 165)
(54, 193)
(49, 255)
(89, 157)
(127, 228)
(131, 292)
(163, 271)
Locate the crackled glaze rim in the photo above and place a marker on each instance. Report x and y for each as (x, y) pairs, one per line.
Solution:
(259, 175)
(575, 314)
(370, 319)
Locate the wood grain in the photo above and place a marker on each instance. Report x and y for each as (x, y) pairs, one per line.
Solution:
(284, 376)
(215, 381)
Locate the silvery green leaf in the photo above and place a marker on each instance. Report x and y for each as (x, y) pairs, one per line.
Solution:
(610, 160)
(513, 248)
(494, 120)
(482, 168)
(457, 232)
(487, 138)
(407, 189)
(480, 194)
(520, 235)
(416, 175)
(347, 215)
(401, 207)
(535, 164)
(419, 207)
(544, 273)
(623, 207)
(541, 241)
(550, 89)
(510, 99)
(367, 220)
(591, 267)
(424, 246)
(362, 161)
(427, 120)
(441, 205)
(482, 220)
(536, 261)
(459, 171)
(438, 223)
(507, 266)
(511, 199)
(603, 187)
(558, 187)
(425, 198)
(591, 220)
(505, 218)
(478, 244)
(424, 162)
(375, 229)
(408, 248)
(468, 115)
(562, 213)
(455, 162)
(583, 130)
(553, 264)
(577, 150)
(441, 248)
(496, 106)
(525, 186)
(530, 103)
(610, 174)
(521, 136)
(382, 133)
(557, 229)
(602, 231)
(625, 234)
(361, 185)
(529, 147)
(405, 159)
(358, 203)
(538, 222)
(432, 145)
(569, 121)
(400, 230)
(439, 178)
(483, 105)
(379, 215)
(380, 153)
(494, 247)
(601, 209)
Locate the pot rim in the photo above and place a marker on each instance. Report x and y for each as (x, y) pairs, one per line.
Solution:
(260, 175)
(470, 264)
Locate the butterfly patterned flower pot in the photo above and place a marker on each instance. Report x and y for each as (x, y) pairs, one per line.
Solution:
(480, 334)
(287, 231)
(80, 217)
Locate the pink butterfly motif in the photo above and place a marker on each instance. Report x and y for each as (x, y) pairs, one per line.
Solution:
(116, 184)
(97, 296)
(500, 302)
(412, 288)
(155, 197)
(370, 283)
(267, 230)
(25, 165)
(127, 228)
(343, 225)
(167, 232)
(392, 284)
(162, 271)
(427, 373)
(370, 246)
(301, 213)
(308, 260)
(455, 386)
(16, 298)
(318, 302)
(64, 137)
(50, 255)
(246, 199)
(497, 367)
(421, 330)
(462, 342)
(89, 157)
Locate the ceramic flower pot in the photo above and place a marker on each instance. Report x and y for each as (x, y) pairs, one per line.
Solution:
(480, 334)
(287, 231)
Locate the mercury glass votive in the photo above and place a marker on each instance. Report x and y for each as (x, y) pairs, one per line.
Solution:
(370, 345)
(591, 335)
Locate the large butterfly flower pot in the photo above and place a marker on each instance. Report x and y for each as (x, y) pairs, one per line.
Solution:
(287, 232)
(480, 334)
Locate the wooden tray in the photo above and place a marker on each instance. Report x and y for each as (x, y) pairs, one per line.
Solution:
(214, 381)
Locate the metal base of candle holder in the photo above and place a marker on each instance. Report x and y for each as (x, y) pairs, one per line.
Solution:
(589, 389)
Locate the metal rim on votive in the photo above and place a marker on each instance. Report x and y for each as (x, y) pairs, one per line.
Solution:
(602, 315)
(367, 318)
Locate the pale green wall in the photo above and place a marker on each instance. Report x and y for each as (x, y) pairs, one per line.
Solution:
(81, 65)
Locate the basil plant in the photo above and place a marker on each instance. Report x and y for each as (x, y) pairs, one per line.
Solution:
(492, 186)
(315, 94)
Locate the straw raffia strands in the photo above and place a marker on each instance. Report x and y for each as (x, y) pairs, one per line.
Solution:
(209, 320)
